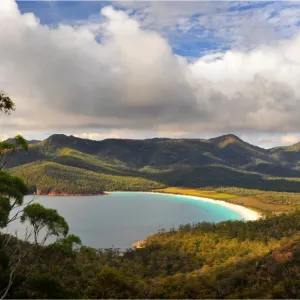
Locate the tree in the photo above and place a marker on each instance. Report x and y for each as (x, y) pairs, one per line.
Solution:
(42, 286)
(12, 188)
(12, 191)
(109, 283)
(44, 218)
(8, 147)
(6, 104)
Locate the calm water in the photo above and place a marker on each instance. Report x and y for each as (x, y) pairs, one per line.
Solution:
(121, 218)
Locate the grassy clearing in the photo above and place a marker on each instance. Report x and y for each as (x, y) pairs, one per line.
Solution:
(198, 193)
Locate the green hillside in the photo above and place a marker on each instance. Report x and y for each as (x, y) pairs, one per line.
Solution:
(44, 177)
(223, 161)
(289, 155)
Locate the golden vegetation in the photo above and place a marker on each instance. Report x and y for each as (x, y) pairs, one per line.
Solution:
(266, 202)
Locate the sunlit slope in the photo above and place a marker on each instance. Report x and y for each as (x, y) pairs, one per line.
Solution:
(289, 155)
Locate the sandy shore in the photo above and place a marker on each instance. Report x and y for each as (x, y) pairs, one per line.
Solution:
(246, 213)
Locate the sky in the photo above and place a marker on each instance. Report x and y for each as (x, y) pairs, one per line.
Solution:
(137, 69)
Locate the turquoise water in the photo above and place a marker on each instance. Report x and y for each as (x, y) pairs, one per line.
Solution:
(121, 218)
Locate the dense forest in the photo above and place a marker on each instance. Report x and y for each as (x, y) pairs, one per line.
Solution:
(53, 178)
(50, 166)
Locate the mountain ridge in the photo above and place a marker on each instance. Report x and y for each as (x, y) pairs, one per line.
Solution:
(226, 160)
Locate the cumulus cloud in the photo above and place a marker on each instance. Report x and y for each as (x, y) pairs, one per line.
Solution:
(64, 78)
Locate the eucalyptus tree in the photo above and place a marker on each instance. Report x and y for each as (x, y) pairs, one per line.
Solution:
(6, 104)
(13, 251)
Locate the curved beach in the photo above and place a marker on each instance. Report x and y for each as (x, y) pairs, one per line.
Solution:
(246, 213)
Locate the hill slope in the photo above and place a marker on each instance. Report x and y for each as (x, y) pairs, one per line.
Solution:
(228, 260)
(51, 178)
(222, 161)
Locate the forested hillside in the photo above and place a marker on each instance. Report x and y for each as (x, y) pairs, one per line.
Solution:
(231, 260)
(48, 166)
(56, 179)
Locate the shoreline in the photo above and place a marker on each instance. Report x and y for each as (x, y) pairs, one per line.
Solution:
(66, 195)
(246, 213)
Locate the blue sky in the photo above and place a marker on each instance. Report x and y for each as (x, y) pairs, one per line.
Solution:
(55, 12)
(192, 28)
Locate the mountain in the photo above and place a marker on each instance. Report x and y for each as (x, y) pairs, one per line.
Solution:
(53, 164)
(289, 155)
(30, 142)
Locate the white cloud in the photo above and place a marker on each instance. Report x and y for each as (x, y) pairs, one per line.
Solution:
(290, 139)
(62, 79)
(274, 139)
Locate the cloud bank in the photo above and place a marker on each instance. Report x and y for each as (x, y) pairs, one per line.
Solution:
(128, 77)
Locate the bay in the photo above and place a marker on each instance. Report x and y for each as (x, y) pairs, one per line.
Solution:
(122, 218)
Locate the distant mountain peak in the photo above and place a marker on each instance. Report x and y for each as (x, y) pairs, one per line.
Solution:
(60, 138)
(57, 135)
(225, 140)
(57, 140)
(231, 136)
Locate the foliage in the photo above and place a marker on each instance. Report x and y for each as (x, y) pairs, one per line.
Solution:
(10, 146)
(12, 191)
(12, 250)
(6, 104)
(48, 177)
(42, 286)
(40, 217)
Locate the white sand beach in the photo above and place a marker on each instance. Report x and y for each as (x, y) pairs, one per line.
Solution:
(246, 213)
